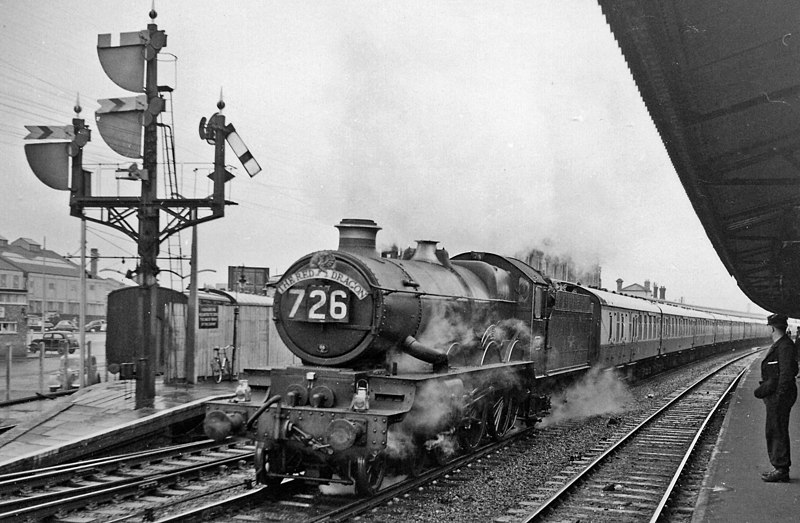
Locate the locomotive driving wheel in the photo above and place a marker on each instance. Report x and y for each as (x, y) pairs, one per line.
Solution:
(264, 464)
(275, 461)
(369, 473)
(472, 428)
(502, 414)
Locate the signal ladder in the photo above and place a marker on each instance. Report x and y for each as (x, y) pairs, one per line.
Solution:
(174, 241)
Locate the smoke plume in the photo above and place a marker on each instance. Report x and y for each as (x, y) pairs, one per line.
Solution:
(597, 392)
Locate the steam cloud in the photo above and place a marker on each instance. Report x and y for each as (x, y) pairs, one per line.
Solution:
(598, 392)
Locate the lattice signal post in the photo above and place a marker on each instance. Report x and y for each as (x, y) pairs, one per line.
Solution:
(133, 66)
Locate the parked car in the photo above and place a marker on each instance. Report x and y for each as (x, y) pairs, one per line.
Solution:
(55, 341)
(65, 325)
(71, 380)
(35, 325)
(95, 326)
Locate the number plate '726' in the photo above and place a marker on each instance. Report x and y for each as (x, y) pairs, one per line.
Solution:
(319, 303)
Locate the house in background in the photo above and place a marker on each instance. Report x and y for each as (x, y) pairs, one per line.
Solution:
(13, 309)
(51, 284)
(642, 291)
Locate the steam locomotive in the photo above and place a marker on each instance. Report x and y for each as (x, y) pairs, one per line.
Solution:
(419, 358)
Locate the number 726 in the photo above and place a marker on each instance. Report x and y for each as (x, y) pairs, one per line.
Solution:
(319, 304)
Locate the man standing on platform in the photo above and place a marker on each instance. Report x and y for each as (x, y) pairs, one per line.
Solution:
(779, 392)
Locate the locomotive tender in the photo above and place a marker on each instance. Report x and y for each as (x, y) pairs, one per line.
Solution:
(406, 360)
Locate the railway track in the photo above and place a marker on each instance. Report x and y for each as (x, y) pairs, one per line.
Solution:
(298, 501)
(127, 486)
(295, 501)
(636, 478)
(142, 491)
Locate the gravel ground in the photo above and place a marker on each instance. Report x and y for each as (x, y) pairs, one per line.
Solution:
(488, 489)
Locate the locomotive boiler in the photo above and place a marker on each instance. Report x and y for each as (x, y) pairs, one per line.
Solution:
(418, 358)
(353, 308)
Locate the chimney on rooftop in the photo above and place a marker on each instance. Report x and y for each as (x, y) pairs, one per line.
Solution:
(662, 291)
(647, 286)
(619, 284)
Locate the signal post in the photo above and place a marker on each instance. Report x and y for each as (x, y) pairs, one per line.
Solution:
(133, 66)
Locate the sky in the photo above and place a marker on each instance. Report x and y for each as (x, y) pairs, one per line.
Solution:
(485, 126)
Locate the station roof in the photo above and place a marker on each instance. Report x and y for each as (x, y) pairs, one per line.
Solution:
(5, 266)
(36, 260)
(721, 81)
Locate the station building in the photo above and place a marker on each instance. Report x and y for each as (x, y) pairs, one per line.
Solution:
(13, 307)
(36, 282)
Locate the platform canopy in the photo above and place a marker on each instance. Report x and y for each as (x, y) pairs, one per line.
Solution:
(721, 80)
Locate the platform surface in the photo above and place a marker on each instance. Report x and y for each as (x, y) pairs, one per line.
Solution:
(733, 490)
(72, 427)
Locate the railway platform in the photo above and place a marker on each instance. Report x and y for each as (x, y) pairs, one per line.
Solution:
(97, 419)
(733, 489)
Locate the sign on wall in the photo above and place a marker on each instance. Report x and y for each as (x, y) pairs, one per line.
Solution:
(208, 315)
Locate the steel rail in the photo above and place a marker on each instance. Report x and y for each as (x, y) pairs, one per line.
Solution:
(211, 509)
(56, 473)
(693, 446)
(554, 499)
(51, 503)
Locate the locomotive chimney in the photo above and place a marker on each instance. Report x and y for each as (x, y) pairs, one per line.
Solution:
(426, 251)
(358, 236)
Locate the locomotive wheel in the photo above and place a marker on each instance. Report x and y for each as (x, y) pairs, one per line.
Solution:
(369, 474)
(277, 461)
(264, 463)
(473, 426)
(502, 415)
(512, 412)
